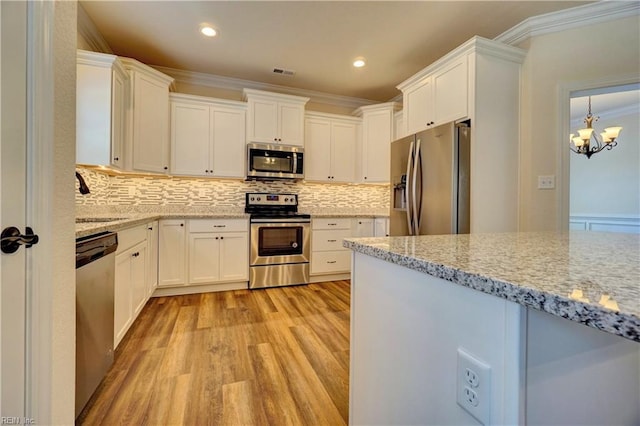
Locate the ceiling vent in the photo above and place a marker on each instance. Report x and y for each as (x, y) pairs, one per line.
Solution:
(283, 71)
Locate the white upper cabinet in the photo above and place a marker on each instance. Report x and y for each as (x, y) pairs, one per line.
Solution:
(479, 81)
(436, 98)
(148, 117)
(377, 135)
(100, 109)
(275, 118)
(330, 147)
(207, 136)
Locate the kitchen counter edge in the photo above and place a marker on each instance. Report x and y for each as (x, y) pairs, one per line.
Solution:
(623, 324)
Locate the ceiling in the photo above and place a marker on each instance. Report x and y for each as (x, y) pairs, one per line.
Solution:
(317, 39)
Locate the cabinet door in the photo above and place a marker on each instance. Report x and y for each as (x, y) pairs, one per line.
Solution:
(262, 125)
(139, 277)
(122, 306)
(418, 106)
(363, 227)
(204, 257)
(290, 124)
(377, 135)
(93, 114)
(152, 257)
(343, 151)
(450, 92)
(150, 124)
(234, 256)
(381, 227)
(229, 144)
(190, 139)
(118, 114)
(171, 253)
(317, 149)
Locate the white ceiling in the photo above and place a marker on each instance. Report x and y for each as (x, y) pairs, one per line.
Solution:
(317, 39)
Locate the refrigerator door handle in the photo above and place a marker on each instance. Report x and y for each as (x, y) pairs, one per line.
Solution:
(407, 193)
(417, 203)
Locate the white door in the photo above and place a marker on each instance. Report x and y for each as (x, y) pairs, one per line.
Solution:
(13, 61)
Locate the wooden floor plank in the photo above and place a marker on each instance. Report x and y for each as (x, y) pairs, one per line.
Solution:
(247, 357)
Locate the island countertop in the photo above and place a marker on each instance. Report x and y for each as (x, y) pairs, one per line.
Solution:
(589, 277)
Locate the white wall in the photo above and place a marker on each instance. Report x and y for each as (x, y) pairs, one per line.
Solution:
(580, 54)
(577, 375)
(608, 183)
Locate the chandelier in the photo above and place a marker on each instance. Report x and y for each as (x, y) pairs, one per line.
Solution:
(587, 142)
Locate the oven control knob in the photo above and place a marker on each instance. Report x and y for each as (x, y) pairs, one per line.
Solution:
(286, 199)
(258, 198)
(252, 199)
(294, 244)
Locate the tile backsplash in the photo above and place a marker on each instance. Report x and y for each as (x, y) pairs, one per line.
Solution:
(147, 192)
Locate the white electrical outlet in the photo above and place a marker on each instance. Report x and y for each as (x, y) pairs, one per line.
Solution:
(473, 386)
(546, 182)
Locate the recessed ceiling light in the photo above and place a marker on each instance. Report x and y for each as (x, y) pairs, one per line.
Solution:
(359, 62)
(208, 30)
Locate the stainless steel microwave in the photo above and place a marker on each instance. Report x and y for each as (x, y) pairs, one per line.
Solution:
(270, 161)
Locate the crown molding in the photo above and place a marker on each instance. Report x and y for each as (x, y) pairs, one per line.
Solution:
(231, 83)
(589, 14)
(88, 30)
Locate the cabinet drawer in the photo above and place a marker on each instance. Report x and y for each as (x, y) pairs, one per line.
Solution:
(129, 237)
(329, 240)
(335, 223)
(329, 262)
(218, 225)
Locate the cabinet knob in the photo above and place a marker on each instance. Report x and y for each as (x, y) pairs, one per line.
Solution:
(222, 238)
(116, 158)
(166, 168)
(216, 238)
(365, 178)
(182, 224)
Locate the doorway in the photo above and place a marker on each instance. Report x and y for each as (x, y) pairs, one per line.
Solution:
(605, 188)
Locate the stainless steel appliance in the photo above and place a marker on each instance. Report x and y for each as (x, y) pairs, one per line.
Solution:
(280, 240)
(95, 274)
(430, 182)
(267, 161)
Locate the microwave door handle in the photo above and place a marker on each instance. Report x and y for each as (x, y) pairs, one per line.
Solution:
(295, 163)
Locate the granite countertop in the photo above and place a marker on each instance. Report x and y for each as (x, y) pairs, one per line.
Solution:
(589, 277)
(118, 222)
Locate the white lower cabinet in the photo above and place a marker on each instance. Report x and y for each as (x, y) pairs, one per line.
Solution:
(172, 249)
(381, 227)
(131, 274)
(218, 251)
(327, 254)
(218, 257)
(152, 257)
(203, 251)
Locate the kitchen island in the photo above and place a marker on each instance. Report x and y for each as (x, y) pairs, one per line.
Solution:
(554, 316)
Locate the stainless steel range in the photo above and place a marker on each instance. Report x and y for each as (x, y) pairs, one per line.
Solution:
(280, 240)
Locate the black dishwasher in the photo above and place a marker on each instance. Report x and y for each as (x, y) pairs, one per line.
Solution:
(95, 275)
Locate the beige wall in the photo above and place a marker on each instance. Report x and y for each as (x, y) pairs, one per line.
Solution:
(581, 54)
(63, 212)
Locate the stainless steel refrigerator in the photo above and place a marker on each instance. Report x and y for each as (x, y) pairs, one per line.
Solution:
(430, 182)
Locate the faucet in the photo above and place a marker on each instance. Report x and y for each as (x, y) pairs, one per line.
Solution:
(84, 189)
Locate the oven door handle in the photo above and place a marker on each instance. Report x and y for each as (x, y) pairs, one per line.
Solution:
(283, 220)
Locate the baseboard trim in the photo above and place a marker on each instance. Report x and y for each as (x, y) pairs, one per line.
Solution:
(194, 289)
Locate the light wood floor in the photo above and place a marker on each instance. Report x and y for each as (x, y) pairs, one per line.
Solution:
(278, 356)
